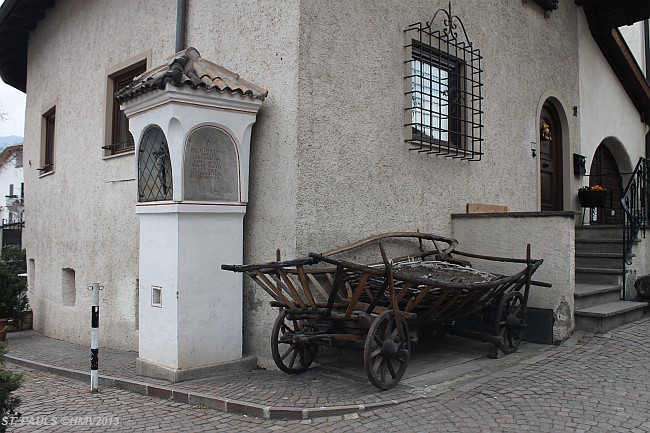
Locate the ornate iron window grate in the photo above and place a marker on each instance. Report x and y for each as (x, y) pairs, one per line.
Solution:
(154, 167)
(444, 113)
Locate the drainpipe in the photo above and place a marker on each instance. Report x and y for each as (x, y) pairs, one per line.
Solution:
(181, 13)
(646, 43)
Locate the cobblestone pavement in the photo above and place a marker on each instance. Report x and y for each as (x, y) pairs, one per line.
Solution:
(599, 383)
(312, 389)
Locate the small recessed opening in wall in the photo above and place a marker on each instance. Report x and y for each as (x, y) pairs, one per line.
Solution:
(31, 274)
(69, 289)
(156, 296)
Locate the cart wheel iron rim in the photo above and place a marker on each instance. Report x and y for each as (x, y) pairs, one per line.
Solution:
(290, 355)
(511, 322)
(384, 350)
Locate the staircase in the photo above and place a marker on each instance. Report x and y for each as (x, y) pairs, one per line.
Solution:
(599, 278)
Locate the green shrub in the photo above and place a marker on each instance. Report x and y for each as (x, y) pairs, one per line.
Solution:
(9, 382)
(13, 288)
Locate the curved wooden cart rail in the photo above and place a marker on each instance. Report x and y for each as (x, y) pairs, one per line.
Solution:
(421, 236)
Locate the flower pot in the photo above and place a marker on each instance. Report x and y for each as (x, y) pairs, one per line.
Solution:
(593, 198)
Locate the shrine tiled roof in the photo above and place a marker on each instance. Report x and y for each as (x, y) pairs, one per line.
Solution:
(188, 68)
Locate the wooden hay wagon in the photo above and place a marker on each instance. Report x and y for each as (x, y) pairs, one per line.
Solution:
(381, 308)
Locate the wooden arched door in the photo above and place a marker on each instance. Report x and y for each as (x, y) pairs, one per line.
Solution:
(604, 172)
(550, 159)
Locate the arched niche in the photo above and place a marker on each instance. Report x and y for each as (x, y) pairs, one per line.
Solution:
(154, 167)
(211, 166)
(619, 152)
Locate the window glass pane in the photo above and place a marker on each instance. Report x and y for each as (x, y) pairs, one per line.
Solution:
(154, 167)
(430, 90)
(122, 140)
(48, 162)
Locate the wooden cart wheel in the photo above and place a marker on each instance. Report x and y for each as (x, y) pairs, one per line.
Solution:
(510, 322)
(289, 356)
(386, 355)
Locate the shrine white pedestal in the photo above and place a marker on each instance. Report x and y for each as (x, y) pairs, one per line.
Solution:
(194, 321)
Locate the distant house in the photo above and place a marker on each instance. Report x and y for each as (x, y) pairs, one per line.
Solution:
(380, 116)
(12, 183)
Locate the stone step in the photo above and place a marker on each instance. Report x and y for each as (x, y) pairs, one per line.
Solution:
(599, 232)
(590, 295)
(599, 260)
(599, 276)
(599, 245)
(602, 318)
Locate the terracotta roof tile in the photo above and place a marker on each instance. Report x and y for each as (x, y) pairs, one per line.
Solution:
(9, 151)
(187, 67)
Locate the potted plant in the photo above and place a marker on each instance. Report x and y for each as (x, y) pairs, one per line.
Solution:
(13, 288)
(595, 196)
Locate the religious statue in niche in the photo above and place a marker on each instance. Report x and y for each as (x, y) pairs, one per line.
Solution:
(154, 167)
(211, 166)
(159, 164)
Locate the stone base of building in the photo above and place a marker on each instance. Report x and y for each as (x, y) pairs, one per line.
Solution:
(157, 371)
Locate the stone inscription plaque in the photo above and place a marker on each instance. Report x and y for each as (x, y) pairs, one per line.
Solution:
(211, 166)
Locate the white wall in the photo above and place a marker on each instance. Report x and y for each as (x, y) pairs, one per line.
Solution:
(634, 36)
(605, 108)
(10, 174)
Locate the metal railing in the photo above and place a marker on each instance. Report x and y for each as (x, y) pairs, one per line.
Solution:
(635, 208)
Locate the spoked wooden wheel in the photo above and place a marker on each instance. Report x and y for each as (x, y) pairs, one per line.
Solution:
(386, 354)
(510, 322)
(290, 356)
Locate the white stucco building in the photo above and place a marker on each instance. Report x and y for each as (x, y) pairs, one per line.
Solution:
(332, 156)
(12, 183)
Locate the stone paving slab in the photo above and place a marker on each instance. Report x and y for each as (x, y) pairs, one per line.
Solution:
(261, 393)
(336, 386)
(597, 383)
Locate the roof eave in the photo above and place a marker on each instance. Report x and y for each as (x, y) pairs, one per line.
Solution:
(17, 19)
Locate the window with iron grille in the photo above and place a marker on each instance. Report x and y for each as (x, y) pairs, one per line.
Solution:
(121, 140)
(154, 167)
(47, 143)
(443, 89)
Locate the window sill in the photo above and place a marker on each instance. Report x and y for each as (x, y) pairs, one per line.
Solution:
(446, 150)
(118, 155)
(46, 174)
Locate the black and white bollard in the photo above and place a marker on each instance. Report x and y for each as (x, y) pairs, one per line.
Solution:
(94, 338)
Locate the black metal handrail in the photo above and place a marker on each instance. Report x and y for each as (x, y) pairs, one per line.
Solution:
(635, 208)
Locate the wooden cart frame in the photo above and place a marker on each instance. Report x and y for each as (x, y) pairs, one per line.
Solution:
(325, 300)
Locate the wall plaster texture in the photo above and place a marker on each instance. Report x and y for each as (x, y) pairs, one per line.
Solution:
(82, 216)
(328, 160)
(357, 176)
(551, 238)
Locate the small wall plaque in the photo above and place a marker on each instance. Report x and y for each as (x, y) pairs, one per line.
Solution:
(211, 166)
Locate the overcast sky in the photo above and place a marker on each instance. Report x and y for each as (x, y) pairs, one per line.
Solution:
(12, 102)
